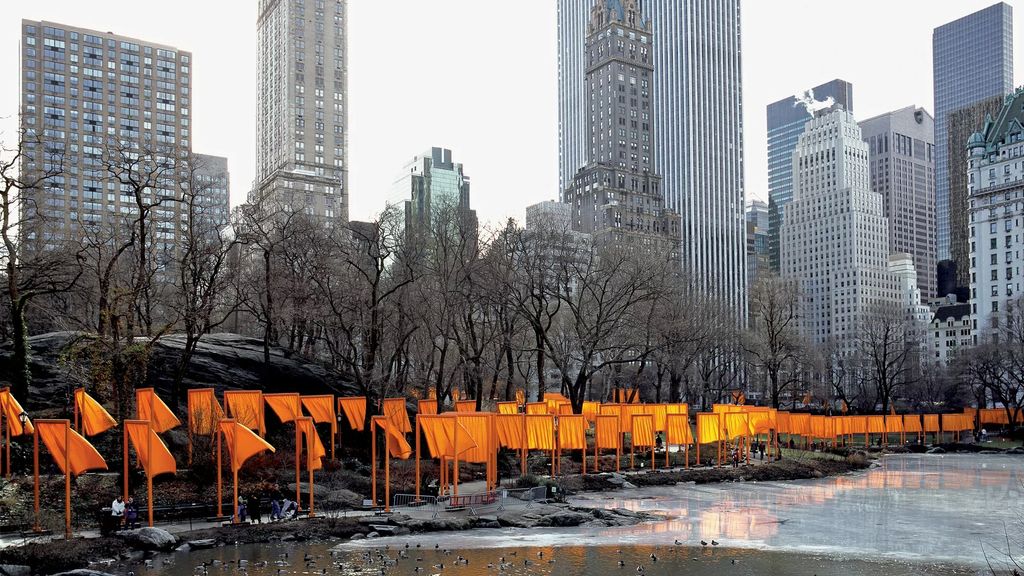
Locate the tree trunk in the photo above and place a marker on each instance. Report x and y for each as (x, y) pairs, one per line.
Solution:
(22, 372)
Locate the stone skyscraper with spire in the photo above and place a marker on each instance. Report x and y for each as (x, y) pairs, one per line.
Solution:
(617, 195)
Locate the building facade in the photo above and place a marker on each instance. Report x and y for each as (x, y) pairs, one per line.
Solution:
(972, 59)
(995, 187)
(786, 120)
(960, 126)
(104, 110)
(430, 186)
(696, 53)
(902, 161)
(835, 239)
(617, 195)
(950, 331)
(757, 241)
(302, 107)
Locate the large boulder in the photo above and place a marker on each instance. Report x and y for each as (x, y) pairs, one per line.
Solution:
(149, 538)
(221, 361)
(83, 572)
(564, 518)
(344, 498)
(15, 570)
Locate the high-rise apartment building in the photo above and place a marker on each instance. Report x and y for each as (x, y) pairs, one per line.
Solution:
(697, 94)
(431, 185)
(105, 111)
(995, 185)
(972, 59)
(757, 241)
(617, 195)
(302, 106)
(786, 120)
(835, 237)
(902, 161)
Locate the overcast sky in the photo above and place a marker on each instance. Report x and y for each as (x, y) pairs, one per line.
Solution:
(479, 77)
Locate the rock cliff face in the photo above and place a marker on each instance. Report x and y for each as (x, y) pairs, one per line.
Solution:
(221, 361)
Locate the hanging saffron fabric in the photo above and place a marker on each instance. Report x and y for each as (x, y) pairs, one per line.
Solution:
(95, 418)
(149, 406)
(203, 411)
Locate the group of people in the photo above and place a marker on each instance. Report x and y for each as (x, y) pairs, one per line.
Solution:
(249, 509)
(122, 513)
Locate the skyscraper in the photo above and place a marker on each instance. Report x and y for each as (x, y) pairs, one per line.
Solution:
(757, 241)
(786, 120)
(903, 172)
(108, 111)
(698, 133)
(432, 183)
(972, 60)
(617, 195)
(835, 239)
(302, 106)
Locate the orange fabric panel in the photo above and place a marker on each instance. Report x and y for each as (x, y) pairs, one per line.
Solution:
(858, 425)
(242, 442)
(439, 433)
(572, 432)
(678, 432)
(818, 427)
(660, 413)
(642, 430)
(465, 406)
(315, 451)
(321, 409)
(624, 396)
(142, 437)
(565, 409)
(799, 424)
(203, 411)
(761, 421)
(246, 408)
(508, 408)
(554, 400)
(12, 411)
(627, 413)
(149, 406)
(520, 396)
(992, 416)
(537, 408)
(95, 418)
(894, 424)
(709, 427)
(427, 407)
(398, 445)
(606, 432)
(287, 406)
(782, 422)
(876, 424)
(956, 423)
(540, 431)
(395, 410)
(473, 437)
(64, 443)
(678, 408)
(912, 423)
(931, 423)
(510, 430)
(590, 410)
(736, 425)
(354, 408)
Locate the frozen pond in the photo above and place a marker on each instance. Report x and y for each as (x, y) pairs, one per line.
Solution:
(920, 514)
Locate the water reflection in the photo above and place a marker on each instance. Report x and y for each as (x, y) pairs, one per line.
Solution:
(923, 506)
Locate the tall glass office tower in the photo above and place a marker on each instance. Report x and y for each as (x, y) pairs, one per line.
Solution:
(972, 60)
(786, 121)
(698, 132)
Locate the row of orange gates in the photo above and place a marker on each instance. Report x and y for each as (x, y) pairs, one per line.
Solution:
(465, 435)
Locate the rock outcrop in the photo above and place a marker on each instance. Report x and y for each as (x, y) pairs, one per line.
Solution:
(221, 361)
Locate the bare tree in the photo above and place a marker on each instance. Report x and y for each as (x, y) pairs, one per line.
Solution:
(773, 343)
(35, 265)
(886, 344)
